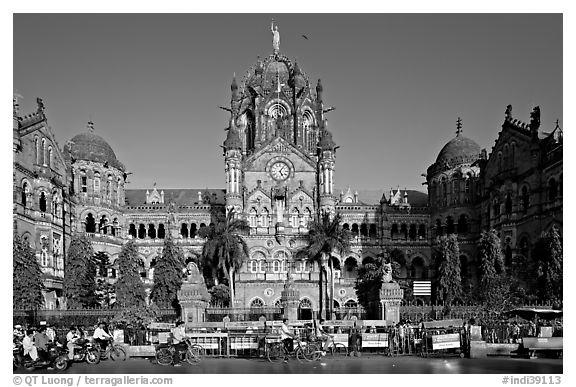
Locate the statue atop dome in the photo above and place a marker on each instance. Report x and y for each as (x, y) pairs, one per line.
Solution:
(275, 37)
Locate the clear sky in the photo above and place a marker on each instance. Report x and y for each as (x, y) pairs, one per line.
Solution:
(152, 84)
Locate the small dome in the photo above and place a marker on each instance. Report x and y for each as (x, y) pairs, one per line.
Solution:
(232, 140)
(326, 142)
(91, 147)
(459, 150)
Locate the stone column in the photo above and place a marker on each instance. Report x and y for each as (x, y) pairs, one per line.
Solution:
(193, 296)
(390, 297)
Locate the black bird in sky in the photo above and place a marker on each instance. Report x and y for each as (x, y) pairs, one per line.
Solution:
(305, 37)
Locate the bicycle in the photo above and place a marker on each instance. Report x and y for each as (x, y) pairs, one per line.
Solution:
(333, 350)
(113, 351)
(277, 351)
(192, 355)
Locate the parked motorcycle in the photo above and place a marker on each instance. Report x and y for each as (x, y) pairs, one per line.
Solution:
(54, 357)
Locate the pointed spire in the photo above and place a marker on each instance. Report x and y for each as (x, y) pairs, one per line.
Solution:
(234, 85)
(319, 90)
(557, 124)
(459, 126)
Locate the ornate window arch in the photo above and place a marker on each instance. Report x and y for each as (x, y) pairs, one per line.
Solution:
(119, 191)
(25, 192)
(49, 157)
(37, 149)
(257, 302)
(97, 182)
(42, 202)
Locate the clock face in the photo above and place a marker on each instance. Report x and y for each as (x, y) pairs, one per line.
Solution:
(280, 171)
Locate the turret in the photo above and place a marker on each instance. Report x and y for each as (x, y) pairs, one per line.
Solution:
(16, 143)
(326, 162)
(233, 168)
(234, 90)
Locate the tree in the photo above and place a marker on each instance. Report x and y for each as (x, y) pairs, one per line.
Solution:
(220, 296)
(449, 285)
(225, 249)
(549, 261)
(491, 262)
(129, 287)
(326, 236)
(80, 274)
(103, 263)
(168, 274)
(26, 278)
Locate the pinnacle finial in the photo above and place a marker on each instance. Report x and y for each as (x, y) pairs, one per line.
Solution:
(90, 126)
(458, 126)
(557, 124)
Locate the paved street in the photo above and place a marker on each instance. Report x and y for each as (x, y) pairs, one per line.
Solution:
(362, 365)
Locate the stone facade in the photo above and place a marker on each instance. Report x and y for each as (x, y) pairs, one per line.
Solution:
(280, 161)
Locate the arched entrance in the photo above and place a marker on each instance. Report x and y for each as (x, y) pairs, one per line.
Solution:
(305, 309)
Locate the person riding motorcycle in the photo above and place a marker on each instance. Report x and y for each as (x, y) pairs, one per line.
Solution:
(28, 345)
(41, 341)
(71, 341)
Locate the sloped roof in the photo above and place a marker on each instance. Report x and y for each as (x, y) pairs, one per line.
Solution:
(182, 197)
(372, 197)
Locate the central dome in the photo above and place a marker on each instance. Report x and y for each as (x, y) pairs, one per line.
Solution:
(91, 147)
(458, 150)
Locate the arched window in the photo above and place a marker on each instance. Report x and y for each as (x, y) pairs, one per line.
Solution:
(438, 227)
(253, 266)
(96, 182)
(354, 229)
(257, 303)
(306, 217)
(552, 189)
(55, 207)
(525, 198)
(83, 181)
(412, 232)
(44, 251)
(373, 233)
(496, 208)
(462, 224)
(351, 304)
(103, 226)
(346, 226)
(141, 231)
(24, 194)
(37, 149)
(508, 256)
(467, 185)
(508, 204)
(184, 230)
(119, 192)
(350, 268)
(294, 215)
(252, 217)
(44, 151)
(161, 231)
(422, 231)
(114, 226)
(404, 231)
(264, 217)
(450, 225)
(49, 157)
(90, 223)
(42, 202)
(364, 229)
(394, 231)
(512, 154)
(193, 230)
(525, 247)
(152, 231)
(109, 187)
(276, 266)
(132, 230)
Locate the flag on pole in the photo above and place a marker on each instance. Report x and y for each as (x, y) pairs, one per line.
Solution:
(422, 288)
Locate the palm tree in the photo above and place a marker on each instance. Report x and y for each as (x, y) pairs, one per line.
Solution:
(225, 249)
(326, 236)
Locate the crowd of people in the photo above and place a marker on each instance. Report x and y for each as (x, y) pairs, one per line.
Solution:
(35, 340)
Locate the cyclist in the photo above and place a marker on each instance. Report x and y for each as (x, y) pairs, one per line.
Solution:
(178, 340)
(286, 336)
(101, 336)
(325, 339)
